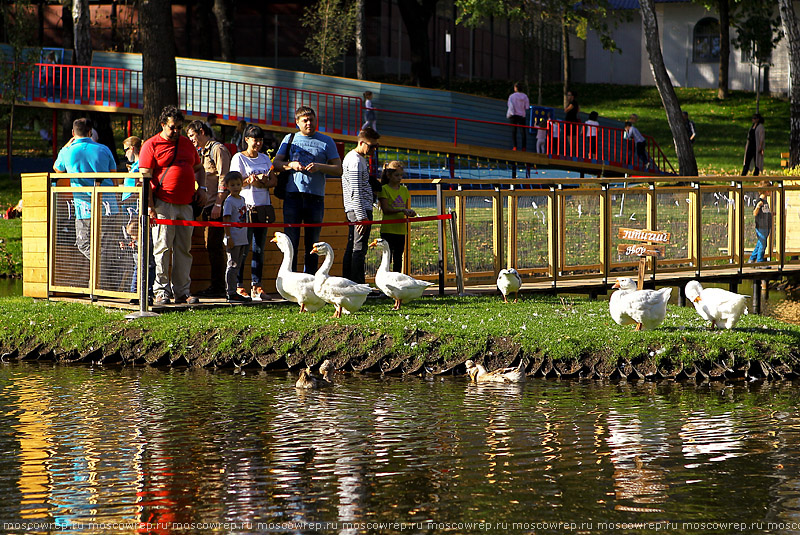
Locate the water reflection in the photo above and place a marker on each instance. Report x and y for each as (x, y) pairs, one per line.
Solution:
(129, 446)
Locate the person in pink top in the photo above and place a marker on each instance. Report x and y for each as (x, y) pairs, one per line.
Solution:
(518, 105)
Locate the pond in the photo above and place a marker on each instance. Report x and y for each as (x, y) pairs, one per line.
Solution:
(143, 450)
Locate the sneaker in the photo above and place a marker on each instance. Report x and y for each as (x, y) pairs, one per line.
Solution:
(161, 300)
(241, 291)
(212, 292)
(260, 295)
(238, 298)
(187, 300)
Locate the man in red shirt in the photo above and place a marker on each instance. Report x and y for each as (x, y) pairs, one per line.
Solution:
(175, 167)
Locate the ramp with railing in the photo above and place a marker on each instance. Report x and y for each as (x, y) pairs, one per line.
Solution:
(120, 90)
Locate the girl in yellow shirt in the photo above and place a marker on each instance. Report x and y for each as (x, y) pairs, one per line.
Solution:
(394, 199)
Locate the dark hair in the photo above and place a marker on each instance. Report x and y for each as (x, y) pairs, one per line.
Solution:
(82, 127)
(574, 93)
(232, 175)
(211, 117)
(199, 127)
(368, 134)
(593, 116)
(302, 111)
(253, 131)
(759, 117)
(628, 123)
(170, 111)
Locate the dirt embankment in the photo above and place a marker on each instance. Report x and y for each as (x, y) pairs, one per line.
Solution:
(349, 349)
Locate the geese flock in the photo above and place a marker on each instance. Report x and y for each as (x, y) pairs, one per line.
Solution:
(312, 292)
(646, 309)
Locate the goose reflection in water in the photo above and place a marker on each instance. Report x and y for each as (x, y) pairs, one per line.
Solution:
(635, 448)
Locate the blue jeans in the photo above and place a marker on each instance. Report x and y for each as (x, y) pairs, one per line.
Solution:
(761, 246)
(304, 208)
(355, 252)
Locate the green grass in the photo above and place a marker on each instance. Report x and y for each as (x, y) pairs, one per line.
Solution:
(10, 229)
(437, 330)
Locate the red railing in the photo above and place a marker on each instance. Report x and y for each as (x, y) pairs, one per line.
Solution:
(574, 143)
(264, 104)
(122, 88)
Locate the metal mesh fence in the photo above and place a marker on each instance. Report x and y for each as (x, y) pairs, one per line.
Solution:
(628, 210)
(673, 217)
(532, 229)
(478, 244)
(582, 222)
(715, 209)
(100, 255)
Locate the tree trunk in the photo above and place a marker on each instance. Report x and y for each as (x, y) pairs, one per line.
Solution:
(565, 54)
(83, 37)
(789, 20)
(361, 58)
(683, 147)
(225, 29)
(417, 16)
(67, 28)
(159, 77)
(724, 47)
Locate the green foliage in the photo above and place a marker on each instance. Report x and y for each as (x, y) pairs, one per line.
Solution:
(757, 35)
(332, 29)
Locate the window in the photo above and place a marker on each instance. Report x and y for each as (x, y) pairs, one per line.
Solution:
(706, 41)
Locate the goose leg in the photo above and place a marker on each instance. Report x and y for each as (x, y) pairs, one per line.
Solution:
(396, 305)
(338, 312)
(638, 327)
(302, 308)
(505, 299)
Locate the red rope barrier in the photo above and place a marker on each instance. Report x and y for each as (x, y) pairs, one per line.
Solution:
(185, 223)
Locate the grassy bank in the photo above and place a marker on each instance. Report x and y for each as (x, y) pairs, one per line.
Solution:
(10, 229)
(434, 333)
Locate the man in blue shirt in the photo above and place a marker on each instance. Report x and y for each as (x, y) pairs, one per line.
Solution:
(310, 157)
(83, 155)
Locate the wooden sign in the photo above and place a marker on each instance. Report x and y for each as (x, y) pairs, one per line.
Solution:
(641, 249)
(636, 234)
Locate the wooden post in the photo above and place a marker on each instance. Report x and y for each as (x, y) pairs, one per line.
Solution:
(497, 238)
(605, 232)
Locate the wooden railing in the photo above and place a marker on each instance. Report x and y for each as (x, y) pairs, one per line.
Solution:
(557, 233)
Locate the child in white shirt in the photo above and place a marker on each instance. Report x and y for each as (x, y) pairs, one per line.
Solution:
(234, 211)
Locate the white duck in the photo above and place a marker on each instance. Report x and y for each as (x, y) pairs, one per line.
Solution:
(478, 374)
(399, 286)
(646, 308)
(342, 293)
(295, 287)
(721, 307)
(509, 282)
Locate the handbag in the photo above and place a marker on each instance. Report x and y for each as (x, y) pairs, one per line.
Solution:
(284, 176)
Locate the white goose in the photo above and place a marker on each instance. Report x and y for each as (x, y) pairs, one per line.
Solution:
(509, 282)
(721, 307)
(295, 287)
(646, 308)
(399, 286)
(478, 374)
(342, 293)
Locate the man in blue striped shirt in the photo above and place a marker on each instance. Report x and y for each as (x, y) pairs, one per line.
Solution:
(358, 198)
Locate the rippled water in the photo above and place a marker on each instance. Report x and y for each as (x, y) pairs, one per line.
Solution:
(103, 450)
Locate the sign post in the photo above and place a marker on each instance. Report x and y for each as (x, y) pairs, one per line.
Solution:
(651, 243)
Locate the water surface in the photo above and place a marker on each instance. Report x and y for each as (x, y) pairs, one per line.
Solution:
(95, 450)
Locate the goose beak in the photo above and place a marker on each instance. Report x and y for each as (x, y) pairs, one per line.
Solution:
(616, 285)
(314, 250)
(697, 299)
(274, 239)
(373, 243)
